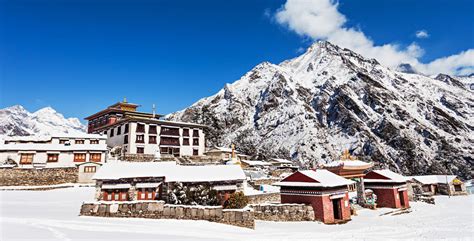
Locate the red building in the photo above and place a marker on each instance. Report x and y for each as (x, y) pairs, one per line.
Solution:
(324, 190)
(390, 188)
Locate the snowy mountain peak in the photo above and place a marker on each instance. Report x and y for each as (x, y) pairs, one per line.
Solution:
(16, 120)
(312, 107)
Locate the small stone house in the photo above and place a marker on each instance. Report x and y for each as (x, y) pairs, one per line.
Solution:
(282, 163)
(130, 181)
(225, 154)
(251, 164)
(86, 171)
(325, 191)
(391, 188)
(440, 184)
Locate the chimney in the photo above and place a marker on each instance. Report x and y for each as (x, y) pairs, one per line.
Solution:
(153, 107)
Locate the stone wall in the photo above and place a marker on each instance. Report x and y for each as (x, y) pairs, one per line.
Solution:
(160, 210)
(283, 212)
(267, 181)
(37, 177)
(264, 198)
(237, 217)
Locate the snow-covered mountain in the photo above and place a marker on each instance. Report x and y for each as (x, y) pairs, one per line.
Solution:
(17, 121)
(314, 106)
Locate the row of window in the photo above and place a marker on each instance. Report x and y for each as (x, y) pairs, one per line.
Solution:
(90, 169)
(27, 158)
(118, 130)
(174, 151)
(152, 129)
(122, 194)
(116, 195)
(170, 141)
(63, 141)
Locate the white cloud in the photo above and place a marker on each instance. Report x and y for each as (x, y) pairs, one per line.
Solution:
(422, 34)
(321, 20)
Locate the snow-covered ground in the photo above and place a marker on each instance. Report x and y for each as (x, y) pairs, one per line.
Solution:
(53, 215)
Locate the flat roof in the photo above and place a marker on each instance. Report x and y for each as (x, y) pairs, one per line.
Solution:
(52, 147)
(170, 171)
(49, 137)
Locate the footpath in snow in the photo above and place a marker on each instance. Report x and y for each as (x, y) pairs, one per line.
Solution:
(53, 215)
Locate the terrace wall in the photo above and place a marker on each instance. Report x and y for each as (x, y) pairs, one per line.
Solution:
(160, 210)
(264, 198)
(237, 217)
(37, 177)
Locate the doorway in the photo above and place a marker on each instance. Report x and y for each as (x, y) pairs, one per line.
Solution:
(336, 207)
(402, 199)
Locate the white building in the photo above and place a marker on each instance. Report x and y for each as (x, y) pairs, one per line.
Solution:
(225, 154)
(282, 163)
(59, 151)
(143, 134)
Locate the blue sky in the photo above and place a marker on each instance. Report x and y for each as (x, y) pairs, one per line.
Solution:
(81, 56)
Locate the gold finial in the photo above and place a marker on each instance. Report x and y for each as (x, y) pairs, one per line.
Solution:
(124, 99)
(347, 156)
(233, 151)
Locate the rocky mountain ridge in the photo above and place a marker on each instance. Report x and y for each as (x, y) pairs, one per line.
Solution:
(312, 107)
(17, 121)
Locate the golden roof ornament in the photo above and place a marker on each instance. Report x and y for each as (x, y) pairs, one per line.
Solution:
(347, 156)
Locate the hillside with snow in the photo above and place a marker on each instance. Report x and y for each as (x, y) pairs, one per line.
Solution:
(17, 121)
(314, 106)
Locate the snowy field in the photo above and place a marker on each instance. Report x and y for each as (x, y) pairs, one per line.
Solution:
(53, 215)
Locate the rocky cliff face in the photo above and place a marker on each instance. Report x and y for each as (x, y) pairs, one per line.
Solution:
(312, 107)
(17, 121)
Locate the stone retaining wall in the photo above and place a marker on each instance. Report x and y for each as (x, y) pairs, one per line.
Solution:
(283, 212)
(237, 217)
(264, 198)
(160, 210)
(36, 177)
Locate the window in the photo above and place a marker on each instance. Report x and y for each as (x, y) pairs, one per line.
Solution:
(152, 139)
(195, 152)
(140, 139)
(80, 157)
(352, 187)
(196, 142)
(79, 141)
(53, 157)
(119, 130)
(152, 130)
(140, 150)
(185, 132)
(26, 158)
(111, 132)
(169, 141)
(140, 128)
(185, 141)
(126, 128)
(95, 157)
(125, 139)
(195, 133)
(146, 194)
(169, 131)
(116, 195)
(457, 188)
(94, 141)
(62, 141)
(90, 169)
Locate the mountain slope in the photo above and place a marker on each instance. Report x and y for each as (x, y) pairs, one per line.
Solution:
(17, 121)
(312, 107)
